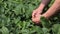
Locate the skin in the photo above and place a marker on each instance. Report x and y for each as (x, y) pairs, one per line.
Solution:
(51, 11)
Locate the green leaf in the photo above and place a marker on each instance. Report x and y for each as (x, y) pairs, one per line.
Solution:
(18, 9)
(45, 30)
(5, 30)
(1, 1)
(58, 31)
(45, 22)
(25, 31)
(56, 28)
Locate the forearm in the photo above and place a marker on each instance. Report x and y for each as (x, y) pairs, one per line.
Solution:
(43, 4)
(52, 10)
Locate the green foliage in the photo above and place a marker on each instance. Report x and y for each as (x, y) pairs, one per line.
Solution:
(5, 30)
(56, 28)
(15, 18)
(45, 22)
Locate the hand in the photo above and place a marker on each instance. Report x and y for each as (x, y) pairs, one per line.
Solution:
(35, 12)
(36, 15)
(36, 19)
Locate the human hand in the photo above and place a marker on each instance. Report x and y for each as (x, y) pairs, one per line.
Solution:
(36, 15)
(35, 12)
(36, 18)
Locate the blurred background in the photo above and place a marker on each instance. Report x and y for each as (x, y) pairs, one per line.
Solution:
(15, 17)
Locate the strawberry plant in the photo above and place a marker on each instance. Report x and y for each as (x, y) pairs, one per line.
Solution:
(15, 18)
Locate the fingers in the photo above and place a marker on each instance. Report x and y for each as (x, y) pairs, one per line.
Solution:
(37, 11)
(35, 20)
(36, 16)
(33, 14)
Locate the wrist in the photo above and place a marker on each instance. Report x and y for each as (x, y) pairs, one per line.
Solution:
(41, 6)
(39, 11)
(44, 15)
